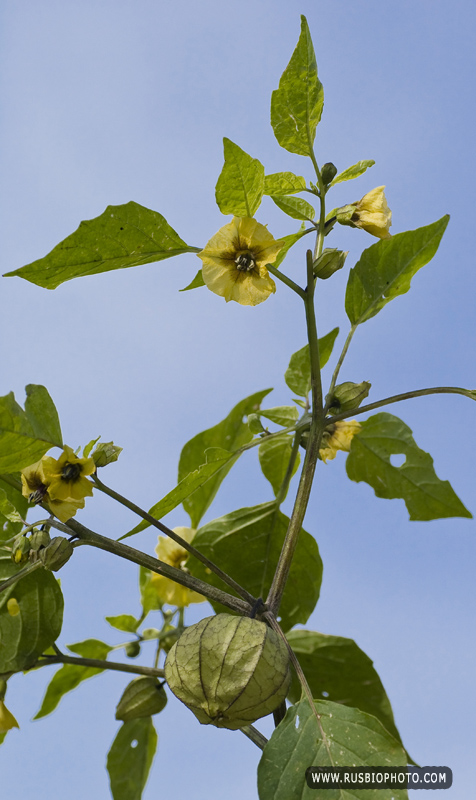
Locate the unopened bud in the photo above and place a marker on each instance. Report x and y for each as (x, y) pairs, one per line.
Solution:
(142, 697)
(38, 540)
(348, 395)
(58, 552)
(132, 649)
(20, 549)
(105, 454)
(328, 173)
(329, 262)
(254, 423)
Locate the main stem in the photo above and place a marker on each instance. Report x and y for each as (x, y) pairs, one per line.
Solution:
(273, 600)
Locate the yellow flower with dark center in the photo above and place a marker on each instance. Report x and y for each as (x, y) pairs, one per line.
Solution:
(338, 436)
(7, 720)
(66, 477)
(59, 483)
(371, 213)
(234, 261)
(174, 554)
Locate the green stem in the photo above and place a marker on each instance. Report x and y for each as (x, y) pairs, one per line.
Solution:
(396, 398)
(176, 538)
(283, 489)
(86, 536)
(254, 734)
(274, 624)
(340, 361)
(134, 669)
(312, 453)
(284, 278)
(19, 575)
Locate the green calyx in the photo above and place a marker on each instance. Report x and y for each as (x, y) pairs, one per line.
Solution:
(229, 671)
(142, 697)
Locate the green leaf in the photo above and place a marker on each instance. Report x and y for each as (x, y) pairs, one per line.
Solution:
(91, 648)
(148, 594)
(295, 207)
(123, 236)
(288, 242)
(298, 373)
(280, 183)
(196, 283)
(27, 635)
(2, 737)
(415, 481)
(296, 106)
(67, 678)
(216, 459)
(124, 622)
(337, 669)
(352, 172)
(87, 449)
(352, 737)
(23, 437)
(274, 455)
(11, 498)
(230, 434)
(240, 186)
(385, 269)
(42, 414)
(130, 758)
(281, 415)
(247, 544)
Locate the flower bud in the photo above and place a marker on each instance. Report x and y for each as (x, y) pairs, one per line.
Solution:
(58, 552)
(254, 423)
(38, 540)
(20, 549)
(132, 649)
(348, 395)
(328, 173)
(142, 697)
(229, 671)
(105, 454)
(329, 262)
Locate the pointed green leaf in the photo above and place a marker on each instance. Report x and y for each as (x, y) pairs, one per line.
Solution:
(296, 106)
(352, 739)
(130, 758)
(298, 373)
(123, 236)
(288, 242)
(338, 670)
(295, 207)
(259, 533)
(385, 269)
(91, 648)
(11, 498)
(240, 186)
(29, 633)
(42, 414)
(281, 415)
(280, 183)
(124, 622)
(87, 449)
(24, 439)
(196, 283)
(230, 434)
(415, 481)
(353, 172)
(148, 594)
(216, 459)
(67, 678)
(274, 455)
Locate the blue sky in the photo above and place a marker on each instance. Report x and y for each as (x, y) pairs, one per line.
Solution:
(106, 102)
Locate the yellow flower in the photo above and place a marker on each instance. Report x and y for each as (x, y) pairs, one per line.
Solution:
(7, 720)
(371, 213)
(234, 261)
(66, 476)
(174, 554)
(338, 436)
(60, 483)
